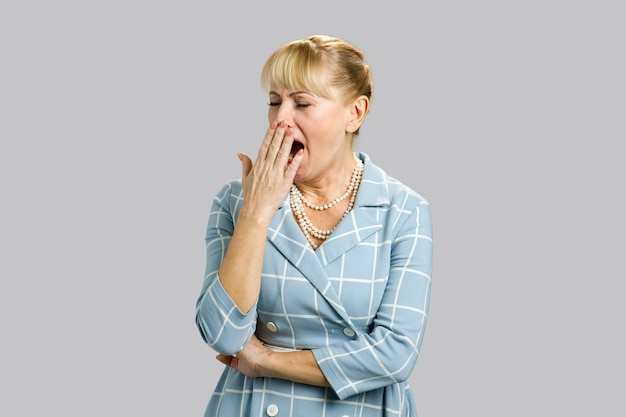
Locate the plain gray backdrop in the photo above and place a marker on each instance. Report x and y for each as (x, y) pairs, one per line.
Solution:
(120, 120)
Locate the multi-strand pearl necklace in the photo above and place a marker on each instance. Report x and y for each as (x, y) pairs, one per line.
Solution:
(309, 229)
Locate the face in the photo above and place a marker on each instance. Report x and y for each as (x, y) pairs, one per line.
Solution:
(317, 123)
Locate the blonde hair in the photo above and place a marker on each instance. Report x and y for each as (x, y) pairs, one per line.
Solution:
(317, 64)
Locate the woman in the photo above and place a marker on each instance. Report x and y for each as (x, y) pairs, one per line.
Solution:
(317, 281)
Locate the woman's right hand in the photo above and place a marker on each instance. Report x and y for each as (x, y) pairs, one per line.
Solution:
(267, 181)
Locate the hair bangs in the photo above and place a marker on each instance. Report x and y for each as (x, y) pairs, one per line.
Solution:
(296, 67)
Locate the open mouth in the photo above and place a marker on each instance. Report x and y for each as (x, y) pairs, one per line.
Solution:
(295, 147)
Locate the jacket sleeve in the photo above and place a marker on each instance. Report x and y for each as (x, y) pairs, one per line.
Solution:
(387, 354)
(223, 326)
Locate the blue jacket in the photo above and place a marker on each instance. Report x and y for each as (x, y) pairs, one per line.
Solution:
(359, 302)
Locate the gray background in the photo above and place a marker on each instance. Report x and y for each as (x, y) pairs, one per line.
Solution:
(120, 120)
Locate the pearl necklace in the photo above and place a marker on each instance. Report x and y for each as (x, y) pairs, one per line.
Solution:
(309, 229)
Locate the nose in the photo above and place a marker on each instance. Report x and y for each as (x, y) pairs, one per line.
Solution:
(284, 113)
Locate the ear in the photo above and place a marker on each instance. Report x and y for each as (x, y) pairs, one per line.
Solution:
(356, 113)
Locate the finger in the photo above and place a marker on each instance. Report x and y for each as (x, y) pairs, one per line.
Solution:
(226, 360)
(292, 168)
(231, 361)
(269, 135)
(277, 142)
(246, 164)
(282, 159)
(282, 156)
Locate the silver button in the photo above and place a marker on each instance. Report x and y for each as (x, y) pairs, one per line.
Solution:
(271, 326)
(349, 332)
(272, 410)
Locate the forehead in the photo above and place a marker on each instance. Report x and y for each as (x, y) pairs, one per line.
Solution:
(288, 92)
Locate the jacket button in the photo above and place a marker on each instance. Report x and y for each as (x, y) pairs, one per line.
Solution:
(271, 326)
(349, 332)
(272, 410)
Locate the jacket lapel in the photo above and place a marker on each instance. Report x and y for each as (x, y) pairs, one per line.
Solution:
(286, 236)
(363, 220)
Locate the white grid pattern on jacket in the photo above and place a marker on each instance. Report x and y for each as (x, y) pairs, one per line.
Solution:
(359, 302)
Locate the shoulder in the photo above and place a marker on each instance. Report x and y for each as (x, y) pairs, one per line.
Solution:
(379, 188)
(230, 194)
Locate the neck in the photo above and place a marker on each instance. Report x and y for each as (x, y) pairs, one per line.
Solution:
(332, 184)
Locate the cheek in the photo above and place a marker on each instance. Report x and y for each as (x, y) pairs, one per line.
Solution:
(319, 125)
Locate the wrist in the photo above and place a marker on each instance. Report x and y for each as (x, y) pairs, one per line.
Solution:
(266, 366)
(253, 218)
